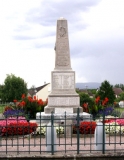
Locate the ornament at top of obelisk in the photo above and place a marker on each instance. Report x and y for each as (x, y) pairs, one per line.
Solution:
(62, 57)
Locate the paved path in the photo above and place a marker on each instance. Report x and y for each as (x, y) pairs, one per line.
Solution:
(1, 116)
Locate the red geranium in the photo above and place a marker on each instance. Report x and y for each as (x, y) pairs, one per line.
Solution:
(23, 96)
(14, 126)
(86, 127)
(97, 100)
(14, 100)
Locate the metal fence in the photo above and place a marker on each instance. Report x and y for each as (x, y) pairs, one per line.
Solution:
(51, 138)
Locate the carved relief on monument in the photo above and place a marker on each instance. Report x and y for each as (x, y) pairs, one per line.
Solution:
(62, 48)
(57, 82)
(63, 101)
(63, 81)
(62, 33)
(63, 60)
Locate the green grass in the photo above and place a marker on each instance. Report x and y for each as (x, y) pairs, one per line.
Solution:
(2, 108)
(118, 111)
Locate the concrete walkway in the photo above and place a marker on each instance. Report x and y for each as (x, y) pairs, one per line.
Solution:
(1, 116)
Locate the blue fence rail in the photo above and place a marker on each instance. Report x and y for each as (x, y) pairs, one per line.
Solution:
(51, 138)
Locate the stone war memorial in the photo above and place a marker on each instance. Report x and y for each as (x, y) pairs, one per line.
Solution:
(63, 97)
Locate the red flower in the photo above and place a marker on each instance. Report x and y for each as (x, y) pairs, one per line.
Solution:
(23, 96)
(14, 100)
(106, 99)
(17, 127)
(87, 127)
(23, 103)
(97, 99)
(30, 99)
(34, 97)
(85, 107)
(40, 102)
(103, 103)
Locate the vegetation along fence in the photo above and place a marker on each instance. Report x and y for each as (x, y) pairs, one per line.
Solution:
(61, 134)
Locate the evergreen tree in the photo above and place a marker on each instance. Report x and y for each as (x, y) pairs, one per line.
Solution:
(106, 90)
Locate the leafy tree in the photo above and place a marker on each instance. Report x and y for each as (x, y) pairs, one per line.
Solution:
(84, 98)
(93, 91)
(13, 88)
(120, 86)
(106, 90)
(1, 92)
(121, 97)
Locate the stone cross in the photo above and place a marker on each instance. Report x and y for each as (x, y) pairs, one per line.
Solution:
(63, 96)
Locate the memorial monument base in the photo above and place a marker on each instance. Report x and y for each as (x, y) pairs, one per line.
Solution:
(50, 109)
(63, 102)
(62, 119)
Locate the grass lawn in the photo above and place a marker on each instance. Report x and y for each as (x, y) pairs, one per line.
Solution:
(119, 111)
(2, 108)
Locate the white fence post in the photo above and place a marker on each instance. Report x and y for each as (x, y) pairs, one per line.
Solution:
(51, 137)
(100, 137)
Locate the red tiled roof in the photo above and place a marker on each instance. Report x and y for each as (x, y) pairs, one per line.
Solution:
(33, 91)
(117, 91)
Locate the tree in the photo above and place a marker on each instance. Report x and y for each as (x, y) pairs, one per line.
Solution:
(13, 88)
(84, 98)
(119, 86)
(1, 92)
(121, 97)
(106, 90)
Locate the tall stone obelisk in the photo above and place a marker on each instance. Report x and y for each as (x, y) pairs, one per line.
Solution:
(63, 95)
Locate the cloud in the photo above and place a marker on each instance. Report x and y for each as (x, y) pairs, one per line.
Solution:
(19, 37)
(96, 36)
(49, 11)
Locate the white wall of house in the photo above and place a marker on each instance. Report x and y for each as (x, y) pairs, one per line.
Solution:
(43, 93)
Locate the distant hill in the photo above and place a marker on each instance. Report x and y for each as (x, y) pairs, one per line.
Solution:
(88, 85)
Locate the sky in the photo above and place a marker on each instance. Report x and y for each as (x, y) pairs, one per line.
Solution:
(28, 35)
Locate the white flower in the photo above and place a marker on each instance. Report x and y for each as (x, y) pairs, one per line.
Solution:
(112, 127)
(60, 130)
(42, 129)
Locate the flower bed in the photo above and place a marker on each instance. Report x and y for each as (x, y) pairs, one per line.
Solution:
(42, 129)
(20, 126)
(114, 126)
(27, 106)
(14, 126)
(12, 112)
(85, 127)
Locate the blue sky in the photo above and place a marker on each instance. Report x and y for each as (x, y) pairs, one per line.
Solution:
(96, 37)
